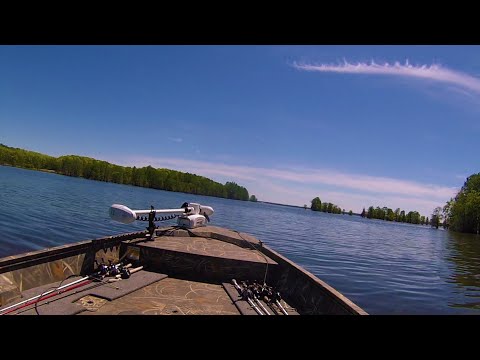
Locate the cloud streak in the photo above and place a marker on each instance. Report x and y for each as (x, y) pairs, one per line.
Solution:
(432, 72)
(297, 186)
(178, 140)
(309, 177)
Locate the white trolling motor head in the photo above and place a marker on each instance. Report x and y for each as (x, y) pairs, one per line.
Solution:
(191, 215)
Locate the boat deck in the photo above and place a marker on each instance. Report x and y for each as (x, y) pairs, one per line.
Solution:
(180, 271)
(144, 293)
(171, 297)
(181, 275)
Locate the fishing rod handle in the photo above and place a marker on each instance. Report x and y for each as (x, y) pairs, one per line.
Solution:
(254, 307)
(281, 307)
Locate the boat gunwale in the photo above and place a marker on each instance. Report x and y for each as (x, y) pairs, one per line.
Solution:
(18, 261)
(333, 294)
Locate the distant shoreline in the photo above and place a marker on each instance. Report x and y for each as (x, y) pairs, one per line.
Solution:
(296, 206)
(272, 203)
(146, 177)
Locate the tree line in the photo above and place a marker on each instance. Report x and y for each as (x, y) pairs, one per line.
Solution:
(462, 213)
(326, 207)
(387, 214)
(89, 168)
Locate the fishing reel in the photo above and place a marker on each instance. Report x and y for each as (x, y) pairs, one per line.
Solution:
(124, 273)
(112, 269)
(102, 269)
(254, 294)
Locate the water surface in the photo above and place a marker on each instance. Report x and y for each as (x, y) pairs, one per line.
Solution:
(386, 268)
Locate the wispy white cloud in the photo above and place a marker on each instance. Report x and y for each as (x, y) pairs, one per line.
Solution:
(461, 91)
(432, 72)
(299, 185)
(179, 140)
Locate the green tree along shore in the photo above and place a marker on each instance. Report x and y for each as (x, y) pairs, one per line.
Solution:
(462, 213)
(387, 214)
(317, 205)
(81, 166)
(413, 217)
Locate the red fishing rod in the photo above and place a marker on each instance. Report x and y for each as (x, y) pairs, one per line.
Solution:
(54, 292)
(67, 287)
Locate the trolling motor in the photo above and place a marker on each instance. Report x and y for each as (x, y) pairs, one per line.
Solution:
(190, 215)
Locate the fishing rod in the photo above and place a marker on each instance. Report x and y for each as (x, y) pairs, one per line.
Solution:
(276, 298)
(31, 301)
(261, 305)
(271, 296)
(190, 215)
(246, 295)
(268, 295)
(257, 296)
(97, 276)
(120, 276)
(101, 281)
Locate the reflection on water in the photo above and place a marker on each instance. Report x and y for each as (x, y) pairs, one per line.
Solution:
(386, 268)
(464, 254)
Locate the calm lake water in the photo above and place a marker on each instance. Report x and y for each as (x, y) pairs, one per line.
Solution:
(386, 268)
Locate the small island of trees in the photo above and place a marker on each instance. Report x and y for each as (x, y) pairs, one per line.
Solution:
(326, 207)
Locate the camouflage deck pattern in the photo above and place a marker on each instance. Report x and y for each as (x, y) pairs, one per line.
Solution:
(171, 297)
(196, 261)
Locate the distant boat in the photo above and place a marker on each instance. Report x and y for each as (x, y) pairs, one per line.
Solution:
(190, 269)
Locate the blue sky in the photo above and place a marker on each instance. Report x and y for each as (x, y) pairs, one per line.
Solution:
(394, 126)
